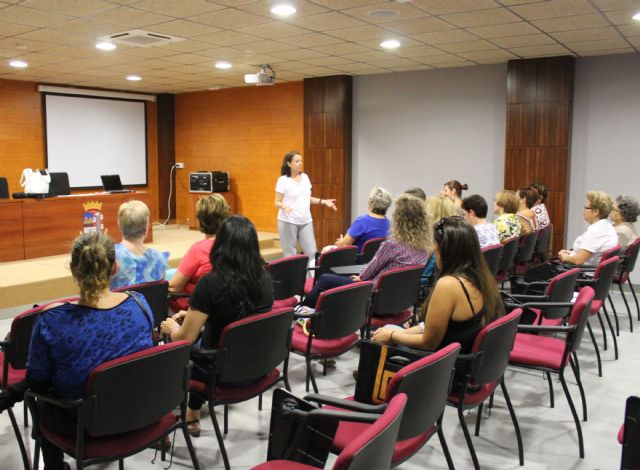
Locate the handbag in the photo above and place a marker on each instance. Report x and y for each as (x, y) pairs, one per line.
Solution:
(35, 182)
(377, 366)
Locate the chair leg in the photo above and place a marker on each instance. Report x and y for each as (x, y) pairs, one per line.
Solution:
(216, 427)
(443, 444)
(604, 332)
(260, 402)
(626, 304)
(551, 394)
(582, 395)
(467, 437)
(615, 314)
(574, 413)
(16, 430)
(577, 364)
(312, 377)
(478, 419)
(192, 452)
(121, 464)
(36, 454)
(25, 411)
(635, 297)
(613, 335)
(226, 419)
(595, 346)
(512, 412)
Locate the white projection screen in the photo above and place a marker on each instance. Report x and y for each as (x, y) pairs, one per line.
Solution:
(87, 137)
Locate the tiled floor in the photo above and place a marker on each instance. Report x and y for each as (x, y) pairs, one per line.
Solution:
(550, 440)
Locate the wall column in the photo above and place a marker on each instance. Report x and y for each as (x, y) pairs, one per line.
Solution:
(166, 153)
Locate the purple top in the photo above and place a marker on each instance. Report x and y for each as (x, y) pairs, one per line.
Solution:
(393, 254)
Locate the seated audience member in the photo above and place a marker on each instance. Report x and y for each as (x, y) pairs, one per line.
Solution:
(475, 207)
(417, 192)
(539, 209)
(464, 299)
(136, 262)
(623, 216)
(600, 235)
(71, 339)
(437, 207)
(211, 211)
(505, 207)
(373, 224)
(526, 217)
(237, 286)
(408, 244)
(453, 190)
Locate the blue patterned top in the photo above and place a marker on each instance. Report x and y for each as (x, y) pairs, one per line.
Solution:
(134, 269)
(70, 340)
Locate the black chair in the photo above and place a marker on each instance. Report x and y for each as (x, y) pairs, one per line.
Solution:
(627, 265)
(249, 352)
(426, 383)
(59, 185)
(483, 370)
(492, 256)
(524, 255)
(340, 256)
(4, 188)
(505, 265)
(156, 294)
(127, 407)
(288, 276)
(340, 313)
(369, 250)
(541, 250)
(630, 434)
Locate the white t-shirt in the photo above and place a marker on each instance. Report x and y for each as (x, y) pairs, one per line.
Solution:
(297, 196)
(599, 237)
(487, 234)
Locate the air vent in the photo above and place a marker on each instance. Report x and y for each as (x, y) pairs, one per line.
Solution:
(140, 38)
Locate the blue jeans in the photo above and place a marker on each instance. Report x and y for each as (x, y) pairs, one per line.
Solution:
(324, 282)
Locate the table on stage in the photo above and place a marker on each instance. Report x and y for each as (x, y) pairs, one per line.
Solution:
(32, 228)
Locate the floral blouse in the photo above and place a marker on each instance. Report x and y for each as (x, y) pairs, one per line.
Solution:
(507, 226)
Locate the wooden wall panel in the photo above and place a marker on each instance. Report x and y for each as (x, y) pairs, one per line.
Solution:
(327, 151)
(538, 134)
(245, 131)
(166, 154)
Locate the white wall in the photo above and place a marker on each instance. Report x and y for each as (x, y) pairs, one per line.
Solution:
(426, 127)
(605, 151)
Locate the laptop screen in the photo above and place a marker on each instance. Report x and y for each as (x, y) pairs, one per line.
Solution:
(111, 182)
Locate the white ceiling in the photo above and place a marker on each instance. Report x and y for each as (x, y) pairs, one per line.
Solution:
(325, 37)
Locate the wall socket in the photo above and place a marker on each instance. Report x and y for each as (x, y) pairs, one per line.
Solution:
(180, 165)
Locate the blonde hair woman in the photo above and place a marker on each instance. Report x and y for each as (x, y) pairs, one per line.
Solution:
(440, 206)
(136, 262)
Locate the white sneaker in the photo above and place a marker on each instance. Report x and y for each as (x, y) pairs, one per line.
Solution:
(304, 310)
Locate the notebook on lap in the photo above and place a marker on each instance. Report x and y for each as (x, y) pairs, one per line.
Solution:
(112, 184)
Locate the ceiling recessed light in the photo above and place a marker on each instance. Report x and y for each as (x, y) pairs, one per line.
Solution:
(283, 10)
(223, 65)
(105, 46)
(636, 16)
(19, 64)
(382, 13)
(134, 78)
(390, 44)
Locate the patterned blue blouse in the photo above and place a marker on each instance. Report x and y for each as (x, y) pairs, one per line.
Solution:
(70, 340)
(134, 269)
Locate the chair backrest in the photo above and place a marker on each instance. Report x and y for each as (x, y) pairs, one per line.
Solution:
(560, 289)
(4, 188)
(59, 185)
(628, 263)
(492, 256)
(342, 310)
(630, 447)
(340, 256)
(604, 274)
(509, 250)
(542, 243)
(373, 448)
(426, 383)
(288, 276)
(527, 243)
(255, 345)
(610, 253)
(396, 290)
(495, 341)
(580, 315)
(156, 293)
(138, 389)
(369, 249)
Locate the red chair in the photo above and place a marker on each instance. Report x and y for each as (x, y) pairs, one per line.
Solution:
(369, 249)
(541, 250)
(372, 449)
(340, 313)
(426, 384)
(482, 371)
(128, 406)
(552, 354)
(492, 256)
(524, 255)
(395, 297)
(629, 435)
(249, 352)
(627, 265)
(505, 265)
(340, 256)
(288, 276)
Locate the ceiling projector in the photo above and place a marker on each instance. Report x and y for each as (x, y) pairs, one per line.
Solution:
(266, 76)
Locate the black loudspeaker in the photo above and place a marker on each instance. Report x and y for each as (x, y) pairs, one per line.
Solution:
(220, 181)
(4, 188)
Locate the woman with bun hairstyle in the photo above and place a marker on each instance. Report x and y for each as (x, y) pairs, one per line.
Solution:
(526, 217)
(453, 190)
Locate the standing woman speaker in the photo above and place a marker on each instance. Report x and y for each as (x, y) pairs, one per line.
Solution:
(294, 199)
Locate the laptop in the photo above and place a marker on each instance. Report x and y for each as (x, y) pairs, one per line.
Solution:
(112, 184)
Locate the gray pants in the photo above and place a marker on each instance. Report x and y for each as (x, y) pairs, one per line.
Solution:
(291, 234)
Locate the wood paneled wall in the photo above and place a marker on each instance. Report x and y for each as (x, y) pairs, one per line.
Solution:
(538, 133)
(327, 151)
(166, 154)
(245, 131)
(22, 137)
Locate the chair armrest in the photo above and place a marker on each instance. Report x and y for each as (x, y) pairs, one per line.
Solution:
(581, 267)
(469, 363)
(204, 353)
(585, 282)
(346, 404)
(335, 415)
(521, 297)
(178, 295)
(59, 402)
(545, 328)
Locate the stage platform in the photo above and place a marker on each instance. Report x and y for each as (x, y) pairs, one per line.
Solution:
(41, 279)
